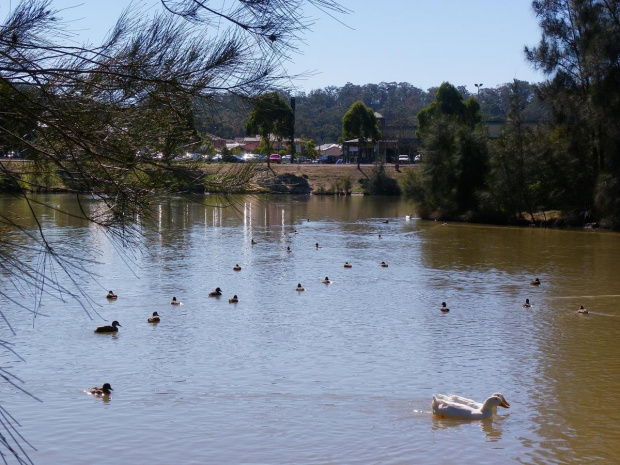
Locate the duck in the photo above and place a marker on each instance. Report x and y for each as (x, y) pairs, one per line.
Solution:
(535, 282)
(386, 221)
(347, 265)
(101, 390)
(234, 299)
(582, 310)
(457, 407)
(253, 242)
(444, 308)
(384, 265)
(237, 267)
(108, 328)
(380, 236)
(154, 318)
(295, 232)
(216, 293)
(527, 303)
(111, 295)
(174, 301)
(299, 288)
(288, 250)
(318, 246)
(326, 280)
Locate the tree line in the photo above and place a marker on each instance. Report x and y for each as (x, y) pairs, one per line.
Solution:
(568, 166)
(319, 113)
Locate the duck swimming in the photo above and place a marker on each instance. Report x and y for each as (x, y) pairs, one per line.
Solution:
(234, 299)
(111, 295)
(535, 282)
(317, 246)
(582, 310)
(299, 288)
(175, 301)
(108, 328)
(237, 267)
(527, 303)
(288, 250)
(216, 293)
(101, 390)
(444, 308)
(384, 265)
(326, 280)
(154, 318)
(452, 406)
(253, 242)
(347, 265)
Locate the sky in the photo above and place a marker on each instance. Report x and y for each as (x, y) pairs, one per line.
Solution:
(422, 42)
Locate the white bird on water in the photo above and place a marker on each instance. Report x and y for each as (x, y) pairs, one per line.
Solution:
(457, 407)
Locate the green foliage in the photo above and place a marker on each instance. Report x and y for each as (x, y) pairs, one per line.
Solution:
(449, 101)
(580, 52)
(380, 183)
(360, 122)
(455, 157)
(271, 115)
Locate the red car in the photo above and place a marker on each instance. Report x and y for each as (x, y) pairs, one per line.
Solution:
(275, 158)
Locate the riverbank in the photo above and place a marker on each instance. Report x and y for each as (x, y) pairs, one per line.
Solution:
(317, 178)
(275, 179)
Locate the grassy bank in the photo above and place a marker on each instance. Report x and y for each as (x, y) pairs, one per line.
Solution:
(278, 178)
(318, 178)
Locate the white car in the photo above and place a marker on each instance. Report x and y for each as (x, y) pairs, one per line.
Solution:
(251, 157)
(403, 159)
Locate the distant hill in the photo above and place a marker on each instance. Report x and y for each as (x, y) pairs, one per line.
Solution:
(319, 113)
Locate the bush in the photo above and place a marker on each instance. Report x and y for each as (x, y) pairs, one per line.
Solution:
(380, 183)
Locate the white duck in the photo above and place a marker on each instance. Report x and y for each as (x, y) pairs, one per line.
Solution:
(453, 406)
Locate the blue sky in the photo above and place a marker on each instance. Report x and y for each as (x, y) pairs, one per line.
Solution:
(423, 42)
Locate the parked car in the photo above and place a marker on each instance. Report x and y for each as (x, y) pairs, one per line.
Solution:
(275, 158)
(251, 157)
(193, 156)
(233, 159)
(286, 158)
(327, 159)
(403, 159)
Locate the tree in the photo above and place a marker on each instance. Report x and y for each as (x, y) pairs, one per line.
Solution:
(360, 122)
(102, 115)
(449, 101)
(580, 52)
(271, 115)
(454, 164)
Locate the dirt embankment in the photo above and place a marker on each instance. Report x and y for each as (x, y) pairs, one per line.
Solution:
(317, 178)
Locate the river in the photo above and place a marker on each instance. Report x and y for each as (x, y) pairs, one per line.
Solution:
(342, 373)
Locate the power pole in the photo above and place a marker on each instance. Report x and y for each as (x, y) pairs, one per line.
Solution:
(293, 130)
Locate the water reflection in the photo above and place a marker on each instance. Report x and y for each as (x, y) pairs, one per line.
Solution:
(490, 427)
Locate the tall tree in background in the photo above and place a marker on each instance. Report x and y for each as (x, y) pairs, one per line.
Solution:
(580, 52)
(271, 116)
(517, 173)
(455, 158)
(360, 122)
